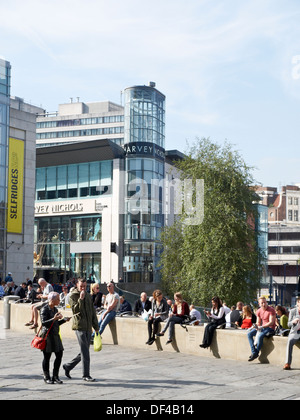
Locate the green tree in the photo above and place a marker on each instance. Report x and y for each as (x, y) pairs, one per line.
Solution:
(219, 256)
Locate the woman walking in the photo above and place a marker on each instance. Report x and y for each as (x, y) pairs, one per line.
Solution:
(51, 319)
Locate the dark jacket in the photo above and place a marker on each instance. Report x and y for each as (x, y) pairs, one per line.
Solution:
(54, 343)
(138, 307)
(86, 317)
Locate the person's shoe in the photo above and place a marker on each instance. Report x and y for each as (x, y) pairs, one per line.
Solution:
(56, 380)
(67, 372)
(28, 324)
(160, 334)
(287, 367)
(88, 379)
(253, 357)
(47, 378)
(169, 341)
(151, 341)
(34, 326)
(203, 346)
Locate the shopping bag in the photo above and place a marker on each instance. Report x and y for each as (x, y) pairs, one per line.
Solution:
(97, 342)
(145, 315)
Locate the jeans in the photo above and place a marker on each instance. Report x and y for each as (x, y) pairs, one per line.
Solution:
(172, 320)
(262, 333)
(109, 317)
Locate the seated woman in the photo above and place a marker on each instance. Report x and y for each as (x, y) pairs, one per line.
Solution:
(248, 318)
(96, 295)
(217, 317)
(159, 313)
(180, 312)
(282, 322)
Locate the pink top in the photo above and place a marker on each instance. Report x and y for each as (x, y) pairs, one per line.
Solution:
(265, 316)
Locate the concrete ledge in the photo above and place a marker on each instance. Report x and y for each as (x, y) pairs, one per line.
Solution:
(132, 332)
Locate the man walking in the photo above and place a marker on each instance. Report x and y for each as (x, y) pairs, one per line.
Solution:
(266, 316)
(84, 319)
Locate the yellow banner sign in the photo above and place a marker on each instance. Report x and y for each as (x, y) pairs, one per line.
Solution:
(15, 186)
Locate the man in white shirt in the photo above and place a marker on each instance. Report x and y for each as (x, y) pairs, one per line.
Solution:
(46, 289)
(111, 305)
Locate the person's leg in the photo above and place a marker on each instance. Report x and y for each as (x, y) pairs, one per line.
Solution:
(85, 353)
(260, 340)
(46, 367)
(77, 359)
(107, 319)
(156, 323)
(150, 326)
(251, 334)
(292, 340)
(56, 366)
(174, 320)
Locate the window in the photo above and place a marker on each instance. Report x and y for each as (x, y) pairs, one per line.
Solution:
(290, 215)
(296, 218)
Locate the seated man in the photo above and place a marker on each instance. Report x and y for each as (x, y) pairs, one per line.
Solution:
(143, 303)
(294, 336)
(46, 289)
(265, 325)
(111, 306)
(124, 305)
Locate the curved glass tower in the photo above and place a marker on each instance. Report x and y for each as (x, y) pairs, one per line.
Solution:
(144, 144)
(5, 69)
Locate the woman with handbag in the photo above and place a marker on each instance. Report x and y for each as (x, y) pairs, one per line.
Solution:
(51, 319)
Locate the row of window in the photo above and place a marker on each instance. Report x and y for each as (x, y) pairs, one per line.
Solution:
(76, 180)
(293, 200)
(284, 236)
(81, 121)
(294, 213)
(80, 133)
(68, 229)
(284, 250)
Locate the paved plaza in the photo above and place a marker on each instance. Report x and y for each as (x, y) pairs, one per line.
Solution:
(148, 375)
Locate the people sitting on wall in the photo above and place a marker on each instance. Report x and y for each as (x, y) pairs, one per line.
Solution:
(111, 306)
(143, 303)
(216, 317)
(265, 327)
(125, 306)
(179, 313)
(96, 296)
(195, 315)
(248, 318)
(21, 291)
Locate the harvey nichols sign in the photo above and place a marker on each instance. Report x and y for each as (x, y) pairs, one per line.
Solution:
(145, 149)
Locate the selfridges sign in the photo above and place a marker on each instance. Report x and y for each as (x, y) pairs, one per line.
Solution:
(145, 149)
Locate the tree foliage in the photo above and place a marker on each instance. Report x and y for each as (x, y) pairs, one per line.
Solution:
(220, 256)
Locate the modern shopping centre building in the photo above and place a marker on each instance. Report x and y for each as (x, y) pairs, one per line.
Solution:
(102, 191)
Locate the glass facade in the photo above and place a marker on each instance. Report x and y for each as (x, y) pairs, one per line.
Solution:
(74, 181)
(144, 115)
(145, 163)
(52, 238)
(5, 71)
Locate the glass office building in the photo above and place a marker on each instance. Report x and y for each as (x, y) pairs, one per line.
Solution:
(5, 70)
(145, 170)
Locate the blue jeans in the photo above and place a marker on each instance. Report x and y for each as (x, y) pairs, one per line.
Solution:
(252, 334)
(102, 323)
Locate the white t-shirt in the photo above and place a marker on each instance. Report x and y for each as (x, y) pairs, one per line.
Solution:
(110, 298)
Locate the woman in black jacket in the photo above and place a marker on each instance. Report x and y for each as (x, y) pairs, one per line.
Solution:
(159, 313)
(51, 318)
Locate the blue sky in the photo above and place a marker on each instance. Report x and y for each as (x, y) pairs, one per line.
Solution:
(230, 69)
